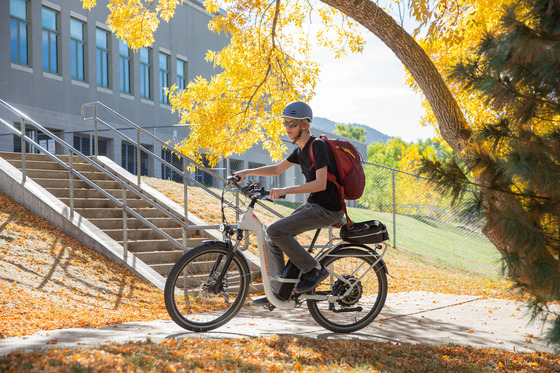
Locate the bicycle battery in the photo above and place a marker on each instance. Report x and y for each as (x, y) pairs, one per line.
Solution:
(290, 271)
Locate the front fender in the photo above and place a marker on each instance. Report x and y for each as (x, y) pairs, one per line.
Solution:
(223, 245)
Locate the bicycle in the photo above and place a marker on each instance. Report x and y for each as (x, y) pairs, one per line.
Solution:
(209, 284)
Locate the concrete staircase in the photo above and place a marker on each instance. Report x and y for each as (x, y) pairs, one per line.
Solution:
(142, 241)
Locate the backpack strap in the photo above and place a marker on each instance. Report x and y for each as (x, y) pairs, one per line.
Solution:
(332, 178)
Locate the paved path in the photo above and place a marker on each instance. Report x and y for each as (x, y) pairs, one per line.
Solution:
(416, 317)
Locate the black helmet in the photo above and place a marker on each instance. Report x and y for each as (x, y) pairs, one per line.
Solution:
(298, 110)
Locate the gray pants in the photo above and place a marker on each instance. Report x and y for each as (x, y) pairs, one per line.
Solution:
(282, 234)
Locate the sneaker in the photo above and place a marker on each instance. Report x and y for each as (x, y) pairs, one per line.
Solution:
(261, 301)
(311, 280)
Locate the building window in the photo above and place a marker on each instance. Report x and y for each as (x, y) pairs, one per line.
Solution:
(103, 56)
(125, 65)
(44, 141)
(181, 74)
(146, 73)
(167, 173)
(51, 38)
(201, 175)
(78, 49)
(86, 145)
(163, 77)
(129, 157)
(19, 31)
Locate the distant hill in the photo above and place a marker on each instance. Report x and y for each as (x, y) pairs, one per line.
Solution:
(328, 125)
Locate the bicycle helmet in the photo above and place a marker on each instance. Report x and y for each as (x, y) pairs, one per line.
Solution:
(298, 110)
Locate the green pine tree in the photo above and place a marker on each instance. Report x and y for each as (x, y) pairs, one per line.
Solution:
(517, 72)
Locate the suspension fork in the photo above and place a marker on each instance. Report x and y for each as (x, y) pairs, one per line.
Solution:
(216, 266)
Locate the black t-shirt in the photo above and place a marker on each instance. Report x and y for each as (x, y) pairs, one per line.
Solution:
(329, 197)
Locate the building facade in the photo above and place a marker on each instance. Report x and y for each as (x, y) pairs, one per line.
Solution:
(63, 56)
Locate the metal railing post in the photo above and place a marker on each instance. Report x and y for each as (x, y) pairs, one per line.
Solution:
(125, 226)
(138, 154)
(96, 134)
(394, 212)
(71, 183)
(23, 151)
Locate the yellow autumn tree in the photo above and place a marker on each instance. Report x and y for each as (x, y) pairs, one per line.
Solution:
(266, 65)
(269, 32)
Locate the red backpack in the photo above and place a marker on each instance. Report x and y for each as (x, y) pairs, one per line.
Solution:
(350, 170)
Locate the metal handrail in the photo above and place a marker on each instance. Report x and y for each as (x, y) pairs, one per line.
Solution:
(187, 161)
(72, 151)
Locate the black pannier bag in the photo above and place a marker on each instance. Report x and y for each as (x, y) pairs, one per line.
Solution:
(372, 231)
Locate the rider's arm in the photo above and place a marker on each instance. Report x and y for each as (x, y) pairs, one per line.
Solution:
(317, 185)
(272, 170)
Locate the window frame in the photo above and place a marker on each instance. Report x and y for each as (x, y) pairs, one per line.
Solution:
(50, 33)
(125, 61)
(19, 22)
(164, 75)
(146, 83)
(102, 53)
(74, 43)
(182, 79)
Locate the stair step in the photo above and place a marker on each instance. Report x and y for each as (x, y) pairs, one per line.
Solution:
(103, 202)
(63, 174)
(117, 223)
(94, 212)
(143, 233)
(39, 157)
(160, 244)
(90, 193)
(162, 269)
(159, 257)
(49, 183)
(48, 164)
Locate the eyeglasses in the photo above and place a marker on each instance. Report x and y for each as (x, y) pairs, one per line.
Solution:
(291, 124)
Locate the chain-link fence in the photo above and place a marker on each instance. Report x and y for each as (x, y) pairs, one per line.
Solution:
(421, 220)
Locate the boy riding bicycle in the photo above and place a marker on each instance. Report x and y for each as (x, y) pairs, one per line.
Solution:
(323, 207)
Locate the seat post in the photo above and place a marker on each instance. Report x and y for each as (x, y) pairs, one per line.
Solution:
(314, 240)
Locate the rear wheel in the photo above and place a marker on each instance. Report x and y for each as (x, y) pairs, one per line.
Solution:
(363, 282)
(201, 294)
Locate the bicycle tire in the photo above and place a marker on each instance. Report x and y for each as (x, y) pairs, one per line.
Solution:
(193, 298)
(367, 298)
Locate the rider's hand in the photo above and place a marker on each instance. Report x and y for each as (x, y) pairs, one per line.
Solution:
(276, 193)
(240, 175)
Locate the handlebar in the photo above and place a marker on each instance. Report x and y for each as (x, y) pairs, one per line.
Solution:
(252, 190)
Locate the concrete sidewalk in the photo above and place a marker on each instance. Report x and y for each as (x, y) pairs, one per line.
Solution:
(416, 317)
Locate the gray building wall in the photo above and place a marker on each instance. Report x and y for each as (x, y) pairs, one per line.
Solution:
(55, 100)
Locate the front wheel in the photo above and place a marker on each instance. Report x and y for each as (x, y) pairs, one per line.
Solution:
(362, 279)
(203, 291)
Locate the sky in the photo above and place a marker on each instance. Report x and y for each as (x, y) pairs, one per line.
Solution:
(369, 88)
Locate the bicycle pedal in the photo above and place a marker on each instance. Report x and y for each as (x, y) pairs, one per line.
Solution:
(270, 307)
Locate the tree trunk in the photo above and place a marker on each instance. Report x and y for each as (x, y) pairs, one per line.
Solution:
(453, 128)
(451, 121)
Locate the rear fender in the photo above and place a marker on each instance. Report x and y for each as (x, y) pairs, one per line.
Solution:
(365, 248)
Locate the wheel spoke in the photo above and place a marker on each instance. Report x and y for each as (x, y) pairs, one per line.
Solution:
(360, 282)
(193, 296)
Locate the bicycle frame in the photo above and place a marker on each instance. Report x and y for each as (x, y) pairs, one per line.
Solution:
(250, 222)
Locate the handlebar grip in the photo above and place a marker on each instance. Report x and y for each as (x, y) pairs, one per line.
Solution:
(234, 178)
